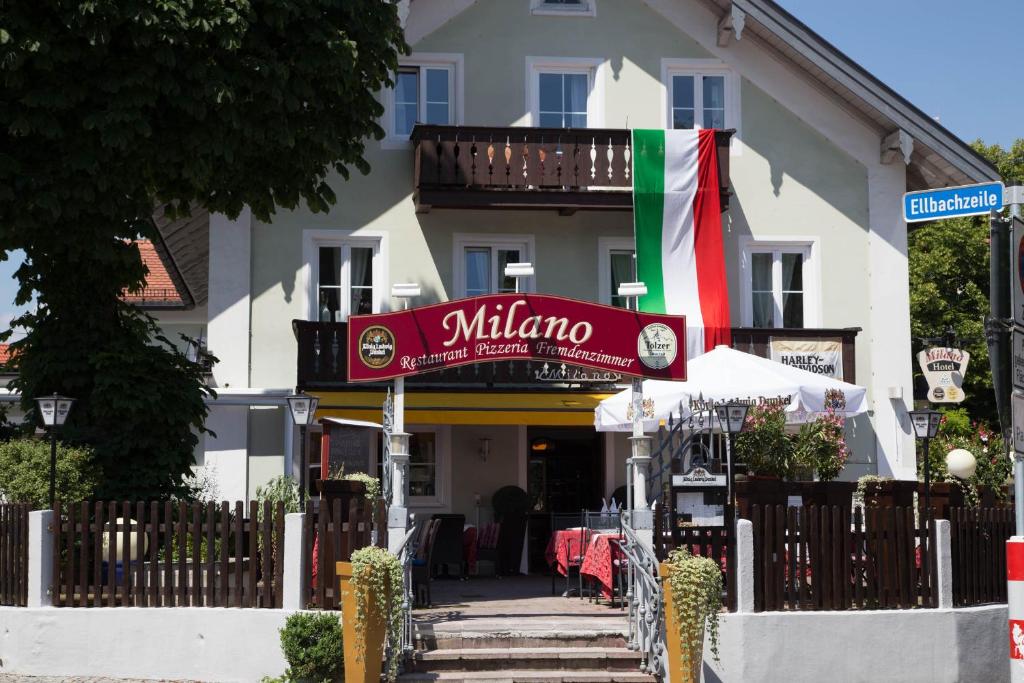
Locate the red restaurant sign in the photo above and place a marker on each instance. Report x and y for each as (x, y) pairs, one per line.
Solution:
(516, 326)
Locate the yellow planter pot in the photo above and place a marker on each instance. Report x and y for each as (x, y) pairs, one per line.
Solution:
(678, 672)
(364, 645)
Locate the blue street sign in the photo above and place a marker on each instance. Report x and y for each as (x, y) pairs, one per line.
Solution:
(952, 202)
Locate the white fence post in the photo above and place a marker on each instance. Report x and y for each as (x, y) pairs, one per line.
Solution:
(295, 579)
(744, 566)
(943, 563)
(40, 558)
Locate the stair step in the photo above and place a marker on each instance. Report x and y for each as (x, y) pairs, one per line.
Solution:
(527, 640)
(532, 658)
(517, 676)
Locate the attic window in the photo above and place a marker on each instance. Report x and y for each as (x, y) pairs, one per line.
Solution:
(577, 8)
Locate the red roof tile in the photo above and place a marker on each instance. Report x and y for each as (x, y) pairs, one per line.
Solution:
(159, 287)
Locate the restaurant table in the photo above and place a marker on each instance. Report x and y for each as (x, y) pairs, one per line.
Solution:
(563, 545)
(601, 560)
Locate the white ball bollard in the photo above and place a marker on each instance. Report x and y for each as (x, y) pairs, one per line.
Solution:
(1015, 605)
(961, 463)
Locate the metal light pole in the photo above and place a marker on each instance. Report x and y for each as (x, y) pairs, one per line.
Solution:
(926, 426)
(731, 416)
(640, 453)
(54, 411)
(398, 448)
(303, 410)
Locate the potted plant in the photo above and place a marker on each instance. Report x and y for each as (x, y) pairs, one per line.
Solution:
(371, 604)
(767, 452)
(821, 448)
(693, 599)
(345, 487)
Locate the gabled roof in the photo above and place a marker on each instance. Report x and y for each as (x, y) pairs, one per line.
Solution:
(185, 244)
(163, 288)
(939, 157)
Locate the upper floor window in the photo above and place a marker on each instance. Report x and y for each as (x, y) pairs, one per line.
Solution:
(585, 8)
(565, 92)
(480, 264)
(426, 91)
(344, 274)
(778, 285)
(700, 94)
(617, 265)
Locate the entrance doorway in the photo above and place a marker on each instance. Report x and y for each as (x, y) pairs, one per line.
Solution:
(565, 475)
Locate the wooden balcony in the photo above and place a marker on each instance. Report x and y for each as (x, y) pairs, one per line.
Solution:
(322, 358)
(565, 169)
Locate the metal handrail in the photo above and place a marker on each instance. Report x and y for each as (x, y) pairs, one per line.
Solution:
(406, 551)
(646, 605)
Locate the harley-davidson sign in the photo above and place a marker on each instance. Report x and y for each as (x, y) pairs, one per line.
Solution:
(516, 327)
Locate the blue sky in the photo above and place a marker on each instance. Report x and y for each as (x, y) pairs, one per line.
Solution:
(952, 58)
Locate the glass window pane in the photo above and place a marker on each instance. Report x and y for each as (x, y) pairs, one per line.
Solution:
(329, 309)
(550, 92)
(407, 87)
(361, 301)
(362, 267)
(793, 309)
(623, 270)
(505, 257)
(682, 118)
(437, 113)
(714, 118)
(576, 121)
(437, 85)
(422, 465)
(764, 309)
(478, 271)
(405, 118)
(549, 120)
(792, 272)
(330, 266)
(575, 93)
(714, 92)
(761, 272)
(682, 92)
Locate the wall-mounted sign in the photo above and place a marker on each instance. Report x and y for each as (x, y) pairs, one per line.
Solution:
(516, 327)
(820, 356)
(567, 374)
(952, 202)
(700, 498)
(944, 369)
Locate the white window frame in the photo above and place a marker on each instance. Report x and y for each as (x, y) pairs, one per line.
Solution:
(442, 468)
(605, 247)
(586, 8)
(809, 248)
(454, 63)
(698, 68)
(594, 68)
(462, 240)
(309, 279)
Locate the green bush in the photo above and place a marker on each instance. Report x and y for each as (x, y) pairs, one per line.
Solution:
(764, 446)
(312, 644)
(25, 472)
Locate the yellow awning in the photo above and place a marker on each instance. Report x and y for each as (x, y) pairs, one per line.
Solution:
(556, 409)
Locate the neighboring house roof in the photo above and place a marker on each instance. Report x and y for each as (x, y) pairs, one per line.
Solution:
(163, 289)
(5, 354)
(939, 157)
(185, 245)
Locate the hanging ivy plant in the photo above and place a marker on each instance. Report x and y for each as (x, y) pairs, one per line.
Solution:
(696, 599)
(377, 581)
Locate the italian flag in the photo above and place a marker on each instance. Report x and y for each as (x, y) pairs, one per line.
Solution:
(677, 218)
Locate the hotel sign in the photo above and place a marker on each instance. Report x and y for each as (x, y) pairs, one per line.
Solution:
(944, 369)
(516, 327)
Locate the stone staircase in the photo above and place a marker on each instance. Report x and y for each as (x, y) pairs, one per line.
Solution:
(550, 656)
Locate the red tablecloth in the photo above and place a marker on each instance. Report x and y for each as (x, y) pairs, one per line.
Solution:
(469, 548)
(565, 544)
(602, 559)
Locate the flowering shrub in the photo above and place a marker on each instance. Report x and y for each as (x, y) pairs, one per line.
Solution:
(957, 430)
(763, 445)
(821, 445)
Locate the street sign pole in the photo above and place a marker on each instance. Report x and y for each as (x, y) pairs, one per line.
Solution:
(1014, 196)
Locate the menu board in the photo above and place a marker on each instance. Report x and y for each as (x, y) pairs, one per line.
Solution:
(349, 446)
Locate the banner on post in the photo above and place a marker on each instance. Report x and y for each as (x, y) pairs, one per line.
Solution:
(499, 327)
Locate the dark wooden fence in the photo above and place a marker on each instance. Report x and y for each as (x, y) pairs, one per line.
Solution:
(330, 533)
(14, 554)
(829, 558)
(180, 555)
(978, 548)
(705, 541)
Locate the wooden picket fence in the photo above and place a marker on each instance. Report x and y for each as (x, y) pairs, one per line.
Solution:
(705, 541)
(14, 554)
(832, 558)
(180, 555)
(978, 547)
(330, 533)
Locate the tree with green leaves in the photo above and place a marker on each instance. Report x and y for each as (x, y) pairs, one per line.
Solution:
(114, 107)
(949, 284)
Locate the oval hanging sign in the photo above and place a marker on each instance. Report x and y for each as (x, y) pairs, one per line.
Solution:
(516, 327)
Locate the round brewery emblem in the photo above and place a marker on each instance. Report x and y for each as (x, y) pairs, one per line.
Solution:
(656, 346)
(376, 347)
(938, 393)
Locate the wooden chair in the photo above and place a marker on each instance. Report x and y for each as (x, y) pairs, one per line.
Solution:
(577, 544)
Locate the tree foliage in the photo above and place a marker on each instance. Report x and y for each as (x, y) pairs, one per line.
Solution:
(112, 107)
(25, 472)
(949, 284)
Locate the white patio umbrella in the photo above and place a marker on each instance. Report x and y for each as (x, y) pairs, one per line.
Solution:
(725, 374)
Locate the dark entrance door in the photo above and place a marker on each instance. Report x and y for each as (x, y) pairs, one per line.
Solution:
(565, 475)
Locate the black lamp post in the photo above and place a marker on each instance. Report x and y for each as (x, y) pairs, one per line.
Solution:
(926, 426)
(731, 416)
(303, 409)
(54, 411)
